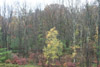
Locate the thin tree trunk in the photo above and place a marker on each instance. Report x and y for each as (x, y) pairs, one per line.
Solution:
(98, 36)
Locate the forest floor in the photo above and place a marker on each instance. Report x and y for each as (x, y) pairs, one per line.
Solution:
(28, 65)
(15, 65)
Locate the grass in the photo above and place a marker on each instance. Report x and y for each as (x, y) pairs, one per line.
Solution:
(28, 65)
(15, 65)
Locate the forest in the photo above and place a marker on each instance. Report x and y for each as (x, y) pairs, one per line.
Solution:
(60, 35)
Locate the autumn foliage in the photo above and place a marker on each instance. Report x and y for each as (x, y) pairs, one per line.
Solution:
(54, 47)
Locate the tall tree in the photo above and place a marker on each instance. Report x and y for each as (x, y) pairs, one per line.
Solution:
(98, 51)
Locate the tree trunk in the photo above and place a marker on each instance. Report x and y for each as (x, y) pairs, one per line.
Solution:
(98, 35)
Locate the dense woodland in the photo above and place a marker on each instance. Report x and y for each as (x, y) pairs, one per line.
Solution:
(56, 36)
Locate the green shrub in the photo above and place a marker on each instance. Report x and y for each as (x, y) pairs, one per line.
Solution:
(4, 54)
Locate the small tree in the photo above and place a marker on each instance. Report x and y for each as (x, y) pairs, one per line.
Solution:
(54, 47)
(4, 54)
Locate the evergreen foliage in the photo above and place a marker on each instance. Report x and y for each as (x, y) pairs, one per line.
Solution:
(4, 54)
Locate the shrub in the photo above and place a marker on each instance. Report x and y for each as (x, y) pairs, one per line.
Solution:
(65, 65)
(70, 64)
(8, 61)
(40, 63)
(15, 58)
(19, 61)
(31, 57)
(42, 60)
(4, 54)
(58, 63)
